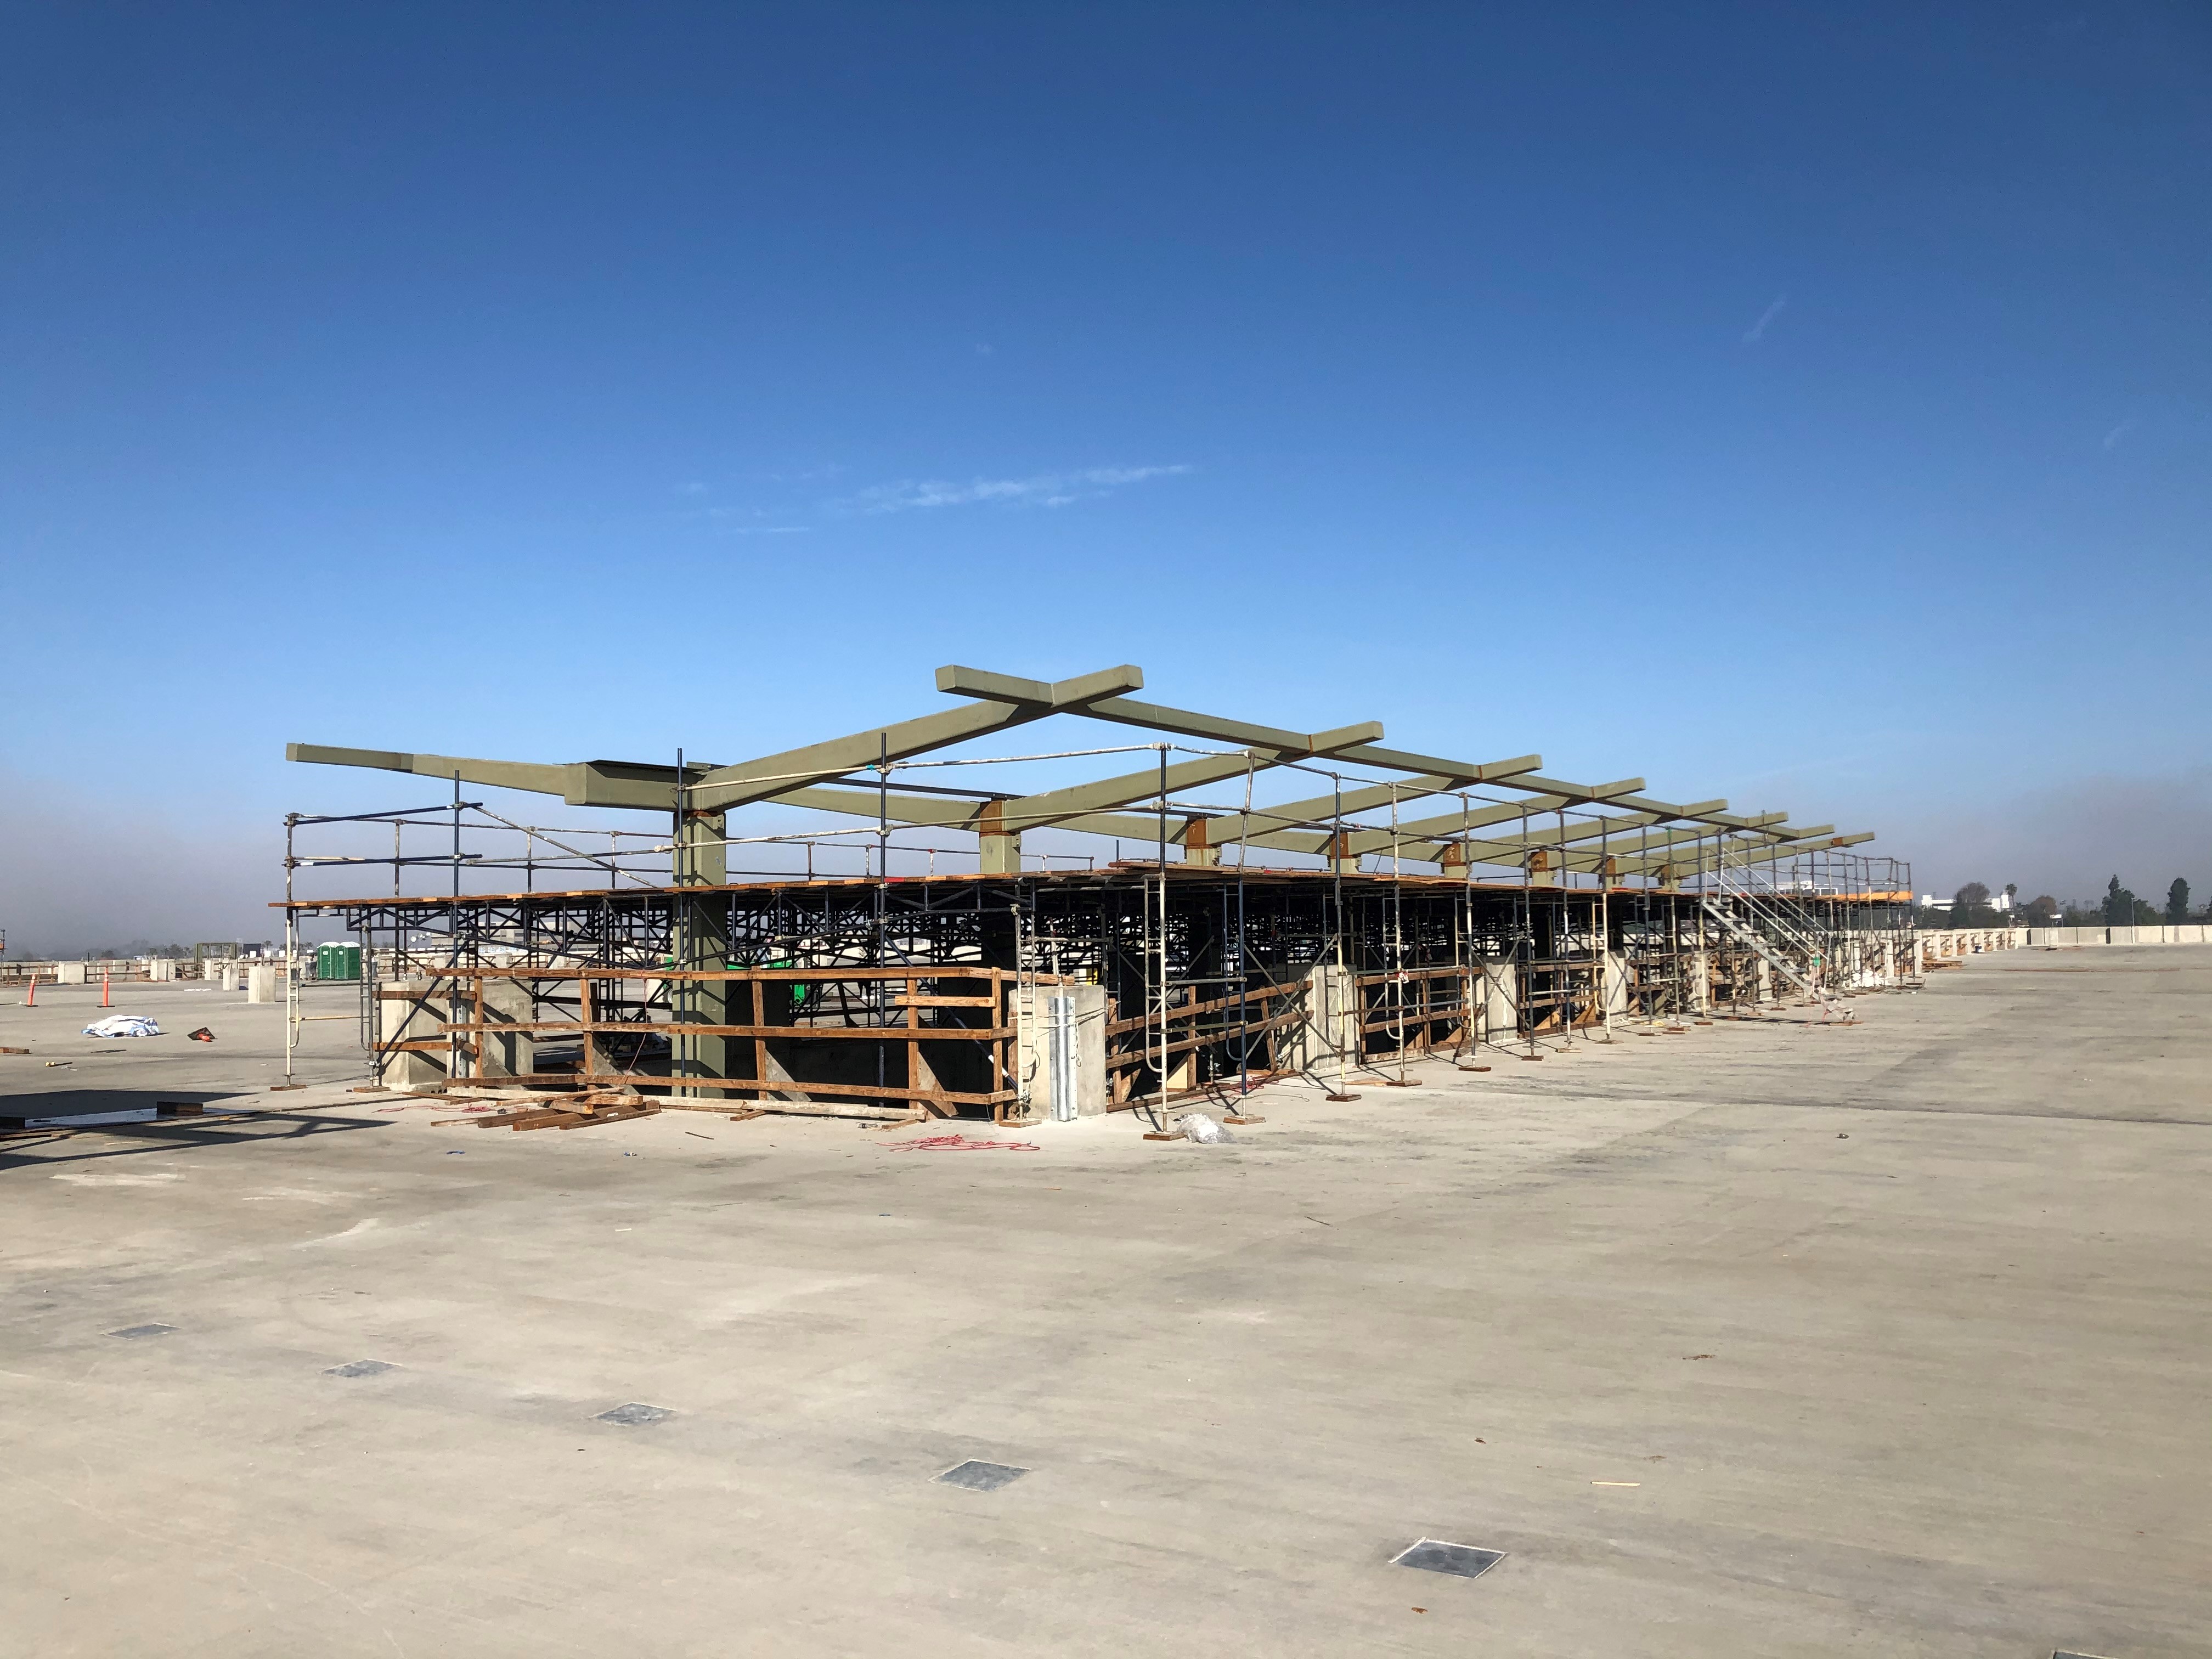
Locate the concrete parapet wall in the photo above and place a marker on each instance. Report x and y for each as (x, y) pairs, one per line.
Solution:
(1948, 944)
(2065, 939)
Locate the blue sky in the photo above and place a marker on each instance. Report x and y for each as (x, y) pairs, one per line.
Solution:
(1808, 410)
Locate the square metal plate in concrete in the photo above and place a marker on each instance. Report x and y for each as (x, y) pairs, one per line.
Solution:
(981, 1477)
(143, 1330)
(1462, 1560)
(361, 1368)
(634, 1415)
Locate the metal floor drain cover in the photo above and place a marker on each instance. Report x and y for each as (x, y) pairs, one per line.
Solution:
(361, 1368)
(1463, 1560)
(634, 1415)
(143, 1330)
(982, 1477)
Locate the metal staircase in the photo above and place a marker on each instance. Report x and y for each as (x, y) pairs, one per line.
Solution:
(1774, 923)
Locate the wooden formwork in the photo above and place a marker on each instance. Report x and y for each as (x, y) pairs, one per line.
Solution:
(770, 1085)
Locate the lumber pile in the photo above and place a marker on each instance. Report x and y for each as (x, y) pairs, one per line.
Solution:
(577, 1111)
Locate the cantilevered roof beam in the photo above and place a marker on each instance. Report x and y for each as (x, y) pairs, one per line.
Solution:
(1025, 700)
(1748, 850)
(580, 783)
(1513, 850)
(1417, 840)
(1060, 805)
(977, 682)
(1291, 825)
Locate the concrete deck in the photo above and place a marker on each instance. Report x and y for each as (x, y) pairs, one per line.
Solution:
(1761, 1340)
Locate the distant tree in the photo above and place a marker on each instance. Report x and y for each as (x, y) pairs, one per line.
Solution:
(2119, 905)
(1970, 906)
(2177, 902)
(2043, 910)
(2146, 914)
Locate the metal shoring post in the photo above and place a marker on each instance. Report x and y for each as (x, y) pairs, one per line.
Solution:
(1243, 965)
(1704, 986)
(1567, 1003)
(291, 952)
(1604, 925)
(1162, 936)
(1336, 897)
(679, 937)
(1398, 934)
(883, 879)
(1525, 946)
(1466, 945)
(453, 937)
(1643, 910)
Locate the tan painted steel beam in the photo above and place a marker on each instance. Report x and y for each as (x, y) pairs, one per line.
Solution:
(1060, 805)
(1808, 838)
(1513, 850)
(1437, 833)
(1126, 711)
(1024, 700)
(1290, 825)
(580, 783)
(960, 814)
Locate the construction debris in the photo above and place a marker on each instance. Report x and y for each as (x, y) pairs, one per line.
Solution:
(572, 1111)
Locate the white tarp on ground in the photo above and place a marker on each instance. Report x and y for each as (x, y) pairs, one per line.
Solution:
(123, 1025)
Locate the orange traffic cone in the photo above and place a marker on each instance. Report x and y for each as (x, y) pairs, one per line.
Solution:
(104, 1002)
(32, 1000)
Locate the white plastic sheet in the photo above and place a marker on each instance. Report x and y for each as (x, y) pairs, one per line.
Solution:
(123, 1025)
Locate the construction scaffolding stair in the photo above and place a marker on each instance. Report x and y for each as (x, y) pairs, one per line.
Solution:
(1751, 938)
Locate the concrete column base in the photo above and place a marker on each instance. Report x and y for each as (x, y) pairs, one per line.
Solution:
(1033, 1046)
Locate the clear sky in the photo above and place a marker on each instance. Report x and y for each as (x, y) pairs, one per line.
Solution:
(1805, 405)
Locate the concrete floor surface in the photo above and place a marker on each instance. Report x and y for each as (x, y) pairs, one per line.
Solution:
(1766, 1339)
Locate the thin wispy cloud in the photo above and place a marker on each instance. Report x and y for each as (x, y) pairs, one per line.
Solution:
(1757, 332)
(2112, 438)
(1045, 489)
(772, 529)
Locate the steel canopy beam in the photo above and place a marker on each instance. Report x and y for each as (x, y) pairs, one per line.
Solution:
(579, 783)
(1025, 700)
(1126, 711)
(1290, 825)
(1437, 832)
(1811, 837)
(1058, 805)
(1514, 850)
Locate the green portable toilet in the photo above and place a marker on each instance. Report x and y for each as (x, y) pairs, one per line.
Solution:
(337, 962)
